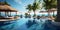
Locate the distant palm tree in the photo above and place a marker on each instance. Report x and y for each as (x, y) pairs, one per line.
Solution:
(26, 15)
(6, 3)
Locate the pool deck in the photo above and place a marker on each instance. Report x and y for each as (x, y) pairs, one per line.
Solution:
(9, 19)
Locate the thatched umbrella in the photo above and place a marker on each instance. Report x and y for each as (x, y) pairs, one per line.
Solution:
(6, 9)
(52, 10)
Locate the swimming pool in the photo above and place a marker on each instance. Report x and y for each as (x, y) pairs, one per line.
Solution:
(29, 24)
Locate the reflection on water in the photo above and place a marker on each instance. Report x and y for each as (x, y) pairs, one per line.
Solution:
(29, 24)
(3, 23)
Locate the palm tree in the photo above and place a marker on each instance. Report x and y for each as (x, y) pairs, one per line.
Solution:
(54, 5)
(29, 7)
(6, 3)
(26, 15)
(35, 6)
(48, 4)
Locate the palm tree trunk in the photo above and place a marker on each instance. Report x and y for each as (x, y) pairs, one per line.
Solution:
(0, 13)
(29, 12)
(53, 13)
(58, 16)
(34, 13)
(48, 13)
(58, 12)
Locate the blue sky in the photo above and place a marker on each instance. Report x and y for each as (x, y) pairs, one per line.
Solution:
(19, 4)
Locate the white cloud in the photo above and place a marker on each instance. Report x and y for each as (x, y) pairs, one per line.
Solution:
(18, 1)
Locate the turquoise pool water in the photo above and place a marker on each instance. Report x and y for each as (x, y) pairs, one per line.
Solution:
(30, 24)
